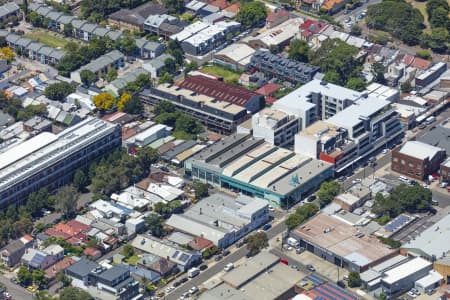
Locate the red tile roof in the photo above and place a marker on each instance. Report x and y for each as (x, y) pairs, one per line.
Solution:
(268, 89)
(271, 100)
(421, 64)
(78, 225)
(67, 229)
(56, 233)
(58, 267)
(200, 243)
(91, 252)
(408, 59)
(234, 8)
(273, 16)
(313, 26)
(218, 89)
(222, 4)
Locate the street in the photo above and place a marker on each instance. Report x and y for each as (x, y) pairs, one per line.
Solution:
(16, 291)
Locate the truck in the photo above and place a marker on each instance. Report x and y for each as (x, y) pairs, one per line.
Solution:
(293, 242)
(192, 272)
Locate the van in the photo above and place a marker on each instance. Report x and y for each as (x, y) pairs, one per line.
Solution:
(193, 272)
(228, 267)
(292, 242)
(443, 185)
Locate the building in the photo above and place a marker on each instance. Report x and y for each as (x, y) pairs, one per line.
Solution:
(442, 266)
(49, 160)
(163, 25)
(101, 65)
(282, 68)
(148, 136)
(120, 83)
(12, 253)
(37, 259)
(8, 11)
(184, 259)
(114, 283)
(254, 167)
(438, 136)
(134, 19)
(371, 278)
(276, 18)
(431, 75)
(275, 126)
(417, 160)
(383, 92)
(277, 37)
(222, 91)
(148, 49)
(222, 219)
(311, 28)
(156, 67)
(236, 56)
(218, 115)
(355, 197)
(313, 287)
(341, 244)
(445, 170)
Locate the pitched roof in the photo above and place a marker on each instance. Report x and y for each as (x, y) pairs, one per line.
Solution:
(14, 246)
(420, 63)
(222, 4)
(162, 266)
(234, 8)
(78, 225)
(273, 16)
(58, 267)
(268, 89)
(218, 89)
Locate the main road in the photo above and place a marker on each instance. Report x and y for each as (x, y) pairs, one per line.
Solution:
(218, 267)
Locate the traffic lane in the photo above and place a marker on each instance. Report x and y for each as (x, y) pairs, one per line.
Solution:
(16, 291)
(218, 267)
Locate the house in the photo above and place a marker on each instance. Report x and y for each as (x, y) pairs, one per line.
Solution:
(148, 49)
(12, 253)
(93, 253)
(194, 6)
(333, 6)
(134, 19)
(277, 37)
(80, 272)
(157, 65)
(37, 259)
(163, 25)
(160, 265)
(8, 11)
(312, 27)
(120, 83)
(51, 272)
(276, 18)
(142, 274)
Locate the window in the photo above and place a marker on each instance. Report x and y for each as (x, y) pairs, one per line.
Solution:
(403, 162)
(395, 159)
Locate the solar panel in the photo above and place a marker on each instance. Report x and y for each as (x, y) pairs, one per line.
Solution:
(396, 223)
(184, 257)
(175, 254)
(37, 259)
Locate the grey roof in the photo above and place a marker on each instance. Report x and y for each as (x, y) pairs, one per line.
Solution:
(141, 272)
(83, 267)
(24, 42)
(77, 24)
(121, 82)
(103, 61)
(58, 54)
(158, 62)
(101, 31)
(89, 27)
(113, 273)
(54, 15)
(12, 38)
(46, 50)
(8, 8)
(66, 19)
(35, 46)
(33, 6)
(178, 149)
(152, 46)
(3, 33)
(138, 15)
(439, 137)
(14, 246)
(419, 150)
(114, 35)
(44, 10)
(141, 42)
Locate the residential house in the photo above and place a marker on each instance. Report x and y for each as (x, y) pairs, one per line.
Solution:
(12, 253)
(100, 66)
(157, 65)
(148, 49)
(120, 83)
(163, 25)
(134, 19)
(312, 27)
(37, 259)
(8, 11)
(277, 17)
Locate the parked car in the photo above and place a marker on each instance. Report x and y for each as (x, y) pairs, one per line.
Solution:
(299, 250)
(310, 268)
(341, 284)
(183, 280)
(311, 198)
(193, 290)
(203, 267)
(266, 227)
(218, 257)
(226, 252)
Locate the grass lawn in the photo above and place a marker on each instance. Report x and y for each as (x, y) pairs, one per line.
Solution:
(48, 38)
(133, 260)
(228, 75)
(423, 10)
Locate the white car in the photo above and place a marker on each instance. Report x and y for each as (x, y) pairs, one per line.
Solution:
(271, 208)
(169, 289)
(193, 290)
(357, 180)
(412, 294)
(385, 151)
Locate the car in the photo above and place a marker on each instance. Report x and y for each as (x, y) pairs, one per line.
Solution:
(32, 289)
(176, 284)
(443, 185)
(311, 198)
(169, 289)
(357, 180)
(218, 257)
(348, 20)
(228, 267)
(422, 126)
(295, 267)
(165, 169)
(185, 295)
(284, 262)
(385, 151)
(341, 284)
(240, 244)
(203, 267)
(411, 294)
(425, 186)
(183, 280)
(271, 208)
(226, 252)
(14, 280)
(299, 250)
(266, 227)
(193, 290)
(310, 268)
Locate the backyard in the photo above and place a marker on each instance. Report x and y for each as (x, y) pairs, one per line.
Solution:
(48, 38)
(228, 75)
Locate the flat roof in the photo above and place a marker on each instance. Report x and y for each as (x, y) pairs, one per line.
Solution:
(406, 269)
(223, 292)
(342, 239)
(319, 130)
(236, 52)
(419, 150)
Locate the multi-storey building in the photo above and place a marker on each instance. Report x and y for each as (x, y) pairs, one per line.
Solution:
(49, 160)
(282, 68)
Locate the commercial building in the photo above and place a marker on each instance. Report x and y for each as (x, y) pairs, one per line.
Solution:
(100, 66)
(218, 115)
(443, 267)
(417, 160)
(254, 167)
(371, 278)
(355, 197)
(222, 219)
(148, 136)
(277, 37)
(49, 160)
(236, 56)
(275, 126)
(341, 244)
(282, 68)
(430, 75)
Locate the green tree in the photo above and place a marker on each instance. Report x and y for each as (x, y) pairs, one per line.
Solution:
(87, 77)
(299, 50)
(200, 189)
(147, 156)
(170, 65)
(356, 30)
(127, 44)
(354, 280)
(424, 54)
(406, 87)
(155, 225)
(24, 276)
(328, 190)
(186, 123)
(38, 277)
(165, 78)
(256, 242)
(65, 280)
(439, 40)
(35, 19)
(356, 84)
(439, 17)
(134, 106)
(293, 220)
(73, 293)
(67, 200)
(251, 13)
(58, 91)
(128, 251)
(111, 74)
(68, 30)
(164, 107)
(174, 6)
(80, 180)
(308, 210)
(378, 73)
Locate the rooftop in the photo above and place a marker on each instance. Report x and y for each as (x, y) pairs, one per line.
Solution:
(404, 270)
(438, 137)
(419, 150)
(281, 33)
(236, 52)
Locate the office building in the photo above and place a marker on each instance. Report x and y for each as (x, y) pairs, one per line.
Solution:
(101, 65)
(282, 68)
(417, 160)
(341, 244)
(49, 160)
(254, 167)
(275, 126)
(222, 219)
(218, 115)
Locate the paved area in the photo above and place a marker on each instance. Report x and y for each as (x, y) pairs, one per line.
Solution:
(16, 291)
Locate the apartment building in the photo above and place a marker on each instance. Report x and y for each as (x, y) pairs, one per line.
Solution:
(49, 160)
(282, 68)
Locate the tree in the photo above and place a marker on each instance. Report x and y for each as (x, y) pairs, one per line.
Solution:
(134, 106)
(190, 67)
(66, 200)
(73, 293)
(188, 124)
(439, 17)
(103, 101)
(124, 98)
(65, 280)
(251, 13)
(256, 242)
(356, 84)
(354, 280)
(424, 54)
(382, 296)
(35, 19)
(155, 225)
(378, 73)
(87, 77)
(39, 278)
(406, 87)
(174, 6)
(111, 75)
(164, 107)
(328, 190)
(356, 30)
(147, 156)
(24, 276)
(68, 30)
(165, 78)
(293, 220)
(439, 39)
(128, 251)
(58, 91)
(170, 65)
(200, 189)
(7, 53)
(299, 50)
(127, 44)
(80, 180)
(143, 81)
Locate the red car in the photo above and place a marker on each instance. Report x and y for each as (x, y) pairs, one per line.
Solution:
(283, 261)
